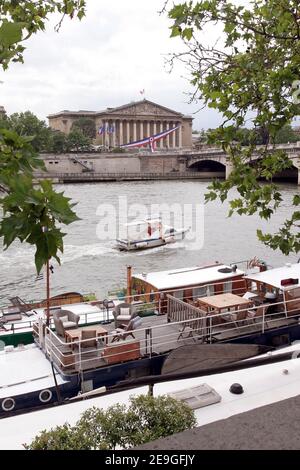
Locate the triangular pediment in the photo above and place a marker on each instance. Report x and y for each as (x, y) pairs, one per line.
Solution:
(143, 108)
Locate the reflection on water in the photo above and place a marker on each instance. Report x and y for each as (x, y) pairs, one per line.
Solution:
(93, 265)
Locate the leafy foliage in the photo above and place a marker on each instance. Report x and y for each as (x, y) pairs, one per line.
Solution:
(86, 125)
(57, 142)
(27, 124)
(251, 74)
(30, 213)
(20, 19)
(77, 141)
(147, 418)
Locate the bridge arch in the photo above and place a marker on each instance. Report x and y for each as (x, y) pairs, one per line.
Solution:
(208, 167)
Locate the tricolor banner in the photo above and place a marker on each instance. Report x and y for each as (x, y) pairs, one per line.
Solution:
(150, 140)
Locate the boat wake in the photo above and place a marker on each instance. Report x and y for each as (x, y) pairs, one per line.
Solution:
(25, 255)
(72, 252)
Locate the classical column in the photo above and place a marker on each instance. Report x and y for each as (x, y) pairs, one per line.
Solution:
(161, 129)
(180, 136)
(141, 130)
(173, 136)
(127, 132)
(114, 133)
(134, 131)
(154, 127)
(121, 133)
(148, 129)
(168, 136)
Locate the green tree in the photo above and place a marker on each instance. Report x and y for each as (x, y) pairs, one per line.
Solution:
(286, 135)
(30, 213)
(253, 73)
(57, 142)
(27, 124)
(145, 419)
(77, 141)
(86, 125)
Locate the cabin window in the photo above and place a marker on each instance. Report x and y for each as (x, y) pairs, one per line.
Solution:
(199, 292)
(152, 296)
(227, 287)
(178, 294)
(210, 290)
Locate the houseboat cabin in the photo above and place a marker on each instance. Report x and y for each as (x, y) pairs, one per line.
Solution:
(278, 285)
(188, 284)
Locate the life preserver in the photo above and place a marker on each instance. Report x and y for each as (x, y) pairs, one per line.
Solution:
(8, 404)
(45, 396)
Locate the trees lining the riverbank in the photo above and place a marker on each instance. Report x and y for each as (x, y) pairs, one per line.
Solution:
(250, 74)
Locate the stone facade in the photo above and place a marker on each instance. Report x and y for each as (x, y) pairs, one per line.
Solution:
(131, 122)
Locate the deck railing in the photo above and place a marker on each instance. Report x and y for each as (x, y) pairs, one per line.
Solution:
(188, 323)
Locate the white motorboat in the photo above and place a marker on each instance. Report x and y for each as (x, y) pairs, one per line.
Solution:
(149, 233)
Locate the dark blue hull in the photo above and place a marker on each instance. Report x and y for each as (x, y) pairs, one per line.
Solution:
(113, 374)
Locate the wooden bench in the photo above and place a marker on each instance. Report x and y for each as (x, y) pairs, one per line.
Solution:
(126, 351)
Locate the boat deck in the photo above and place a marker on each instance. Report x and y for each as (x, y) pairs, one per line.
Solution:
(24, 370)
(155, 337)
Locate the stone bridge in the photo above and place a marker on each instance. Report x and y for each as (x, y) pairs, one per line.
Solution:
(218, 161)
(204, 163)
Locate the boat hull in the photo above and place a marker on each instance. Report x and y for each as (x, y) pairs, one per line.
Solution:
(125, 245)
(114, 374)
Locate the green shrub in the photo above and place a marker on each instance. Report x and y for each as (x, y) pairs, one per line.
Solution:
(147, 418)
(152, 418)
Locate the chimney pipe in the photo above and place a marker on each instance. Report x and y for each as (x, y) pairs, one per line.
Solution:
(129, 274)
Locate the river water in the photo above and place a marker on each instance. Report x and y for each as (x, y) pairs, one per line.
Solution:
(93, 264)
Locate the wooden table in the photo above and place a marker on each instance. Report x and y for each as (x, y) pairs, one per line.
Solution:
(75, 334)
(221, 302)
(220, 306)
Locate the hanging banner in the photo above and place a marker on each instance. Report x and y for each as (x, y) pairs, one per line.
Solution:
(151, 140)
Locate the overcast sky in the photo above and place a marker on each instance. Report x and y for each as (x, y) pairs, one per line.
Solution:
(103, 61)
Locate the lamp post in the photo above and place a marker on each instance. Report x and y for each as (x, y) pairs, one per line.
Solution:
(45, 229)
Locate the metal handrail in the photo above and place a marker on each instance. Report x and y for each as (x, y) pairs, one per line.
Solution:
(56, 344)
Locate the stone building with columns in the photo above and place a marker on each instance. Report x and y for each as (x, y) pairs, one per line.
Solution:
(131, 122)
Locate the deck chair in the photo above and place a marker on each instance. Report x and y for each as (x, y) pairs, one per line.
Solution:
(21, 305)
(254, 314)
(123, 313)
(230, 317)
(126, 330)
(89, 339)
(65, 320)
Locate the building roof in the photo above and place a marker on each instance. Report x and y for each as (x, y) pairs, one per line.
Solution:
(273, 277)
(187, 276)
(116, 109)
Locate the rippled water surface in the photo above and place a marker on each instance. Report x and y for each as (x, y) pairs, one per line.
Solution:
(90, 264)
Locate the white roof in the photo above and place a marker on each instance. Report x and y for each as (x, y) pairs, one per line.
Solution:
(187, 276)
(273, 277)
(268, 384)
(25, 370)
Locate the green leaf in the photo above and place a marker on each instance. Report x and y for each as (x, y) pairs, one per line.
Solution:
(10, 33)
